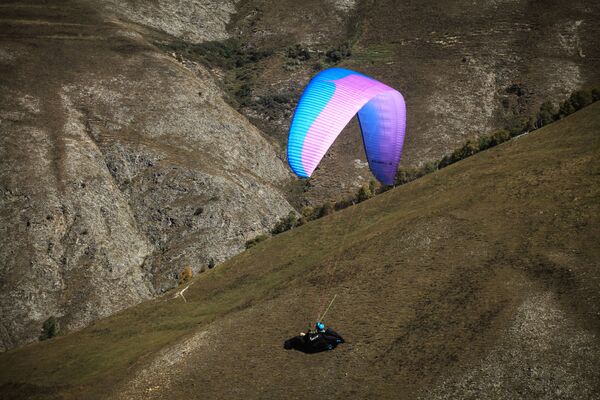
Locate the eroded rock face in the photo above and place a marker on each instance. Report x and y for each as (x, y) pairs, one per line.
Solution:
(119, 166)
(466, 69)
(191, 20)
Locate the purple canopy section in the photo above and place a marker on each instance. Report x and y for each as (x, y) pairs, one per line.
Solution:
(329, 102)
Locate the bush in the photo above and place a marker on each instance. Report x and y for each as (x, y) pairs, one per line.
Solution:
(211, 263)
(499, 137)
(581, 99)
(468, 149)
(50, 329)
(338, 53)
(546, 114)
(374, 187)
(521, 125)
(405, 175)
(298, 52)
(575, 102)
(345, 203)
(185, 275)
(286, 223)
(243, 94)
(253, 242)
(324, 210)
(364, 193)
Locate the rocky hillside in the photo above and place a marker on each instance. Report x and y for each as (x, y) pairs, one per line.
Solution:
(119, 166)
(479, 281)
(466, 68)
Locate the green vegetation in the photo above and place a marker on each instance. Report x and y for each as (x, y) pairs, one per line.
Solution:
(227, 54)
(238, 61)
(50, 329)
(298, 52)
(546, 114)
(374, 54)
(338, 53)
(286, 223)
(253, 242)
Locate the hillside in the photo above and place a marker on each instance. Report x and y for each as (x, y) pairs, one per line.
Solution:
(478, 281)
(160, 126)
(119, 166)
(465, 68)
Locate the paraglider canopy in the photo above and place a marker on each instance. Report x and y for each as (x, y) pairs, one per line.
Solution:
(328, 103)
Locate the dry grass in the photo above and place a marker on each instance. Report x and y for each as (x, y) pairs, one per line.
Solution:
(429, 278)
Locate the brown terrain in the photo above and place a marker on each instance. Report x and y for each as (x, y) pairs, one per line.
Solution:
(479, 281)
(131, 148)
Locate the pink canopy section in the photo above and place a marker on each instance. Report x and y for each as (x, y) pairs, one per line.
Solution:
(329, 102)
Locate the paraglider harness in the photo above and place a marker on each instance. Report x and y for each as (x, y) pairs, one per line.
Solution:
(317, 339)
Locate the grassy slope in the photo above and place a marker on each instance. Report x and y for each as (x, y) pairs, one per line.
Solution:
(429, 277)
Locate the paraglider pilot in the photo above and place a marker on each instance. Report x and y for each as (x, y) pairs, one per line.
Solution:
(314, 341)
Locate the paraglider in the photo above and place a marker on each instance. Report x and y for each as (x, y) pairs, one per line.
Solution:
(328, 103)
(315, 341)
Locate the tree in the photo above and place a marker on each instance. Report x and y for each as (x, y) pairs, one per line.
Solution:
(546, 114)
(324, 210)
(364, 193)
(50, 329)
(499, 137)
(468, 149)
(374, 186)
(288, 222)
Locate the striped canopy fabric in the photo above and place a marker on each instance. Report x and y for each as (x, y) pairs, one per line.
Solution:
(328, 103)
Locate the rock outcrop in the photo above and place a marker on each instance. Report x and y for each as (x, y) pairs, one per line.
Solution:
(119, 166)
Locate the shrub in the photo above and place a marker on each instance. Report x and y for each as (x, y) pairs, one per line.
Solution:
(405, 175)
(521, 125)
(345, 203)
(546, 114)
(298, 52)
(374, 187)
(211, 263)
(445, 161)
(468, 149)
(50, 328)
(364, 193)
(428, 168)
(243, 94)
(308, 212)
(338, 53)
(581, 98)
(499, 137)
(485, 142)
(575, 102)
(253, 242)
(286, 223)
(185, 275)
(324, 210)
